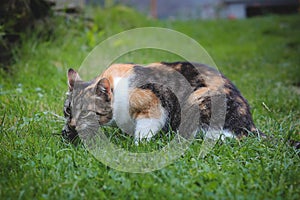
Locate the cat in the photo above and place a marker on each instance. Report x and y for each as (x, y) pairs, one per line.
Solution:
(143, 100)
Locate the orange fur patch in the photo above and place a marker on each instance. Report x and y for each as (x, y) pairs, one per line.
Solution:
(117, 70)
(242, 109)
(196, 96)
(144, 104)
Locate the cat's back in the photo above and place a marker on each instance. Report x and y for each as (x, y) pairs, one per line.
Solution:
(196, 74)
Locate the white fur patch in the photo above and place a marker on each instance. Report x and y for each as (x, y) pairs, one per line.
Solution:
(116, 81)
(148, 127)
(121, 105)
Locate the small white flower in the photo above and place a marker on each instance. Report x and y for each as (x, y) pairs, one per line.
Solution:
(38, 89)
(40, 95)
(19, 90)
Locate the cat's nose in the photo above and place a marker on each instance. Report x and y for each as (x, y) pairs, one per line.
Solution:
(72, 124)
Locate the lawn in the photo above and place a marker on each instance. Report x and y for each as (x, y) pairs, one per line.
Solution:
(260, 55)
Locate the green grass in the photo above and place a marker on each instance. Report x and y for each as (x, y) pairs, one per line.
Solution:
(260, 55)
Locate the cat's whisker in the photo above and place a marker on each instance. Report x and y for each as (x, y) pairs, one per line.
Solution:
(56, 134)
(55, 115)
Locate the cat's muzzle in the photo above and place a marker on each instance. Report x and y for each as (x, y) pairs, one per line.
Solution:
(69, 134)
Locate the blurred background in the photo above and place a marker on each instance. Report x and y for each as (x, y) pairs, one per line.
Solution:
(193, 9)
(20, 15)
(209, 9)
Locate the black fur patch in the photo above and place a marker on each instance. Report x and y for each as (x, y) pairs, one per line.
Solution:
(169, 102)
(190, 73)
(168, 99)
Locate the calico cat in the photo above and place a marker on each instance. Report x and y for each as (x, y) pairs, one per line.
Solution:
(143, 100)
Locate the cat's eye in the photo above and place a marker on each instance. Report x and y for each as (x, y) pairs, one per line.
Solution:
(99, 114)
(84, 114)
(68, 111)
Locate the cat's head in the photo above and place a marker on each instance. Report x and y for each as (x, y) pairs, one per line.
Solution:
(88, 106)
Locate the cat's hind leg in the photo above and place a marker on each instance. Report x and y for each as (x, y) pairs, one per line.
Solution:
(148, 113)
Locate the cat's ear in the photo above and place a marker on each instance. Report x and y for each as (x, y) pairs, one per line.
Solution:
(72, 77)
(103, 88)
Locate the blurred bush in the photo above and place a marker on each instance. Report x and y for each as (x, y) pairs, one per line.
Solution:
(16, 16)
